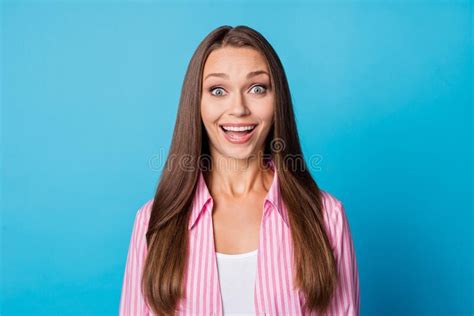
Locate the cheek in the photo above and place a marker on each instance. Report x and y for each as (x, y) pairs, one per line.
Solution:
(209, 115)
(206, 112)
(264, 112)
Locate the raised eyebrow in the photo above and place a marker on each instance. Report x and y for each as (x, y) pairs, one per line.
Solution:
(256, 73)
(226, 76)
(217, 74)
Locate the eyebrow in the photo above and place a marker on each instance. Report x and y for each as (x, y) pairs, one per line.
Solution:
(249, 75)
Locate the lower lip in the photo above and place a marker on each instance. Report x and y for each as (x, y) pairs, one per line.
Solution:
(242, 139)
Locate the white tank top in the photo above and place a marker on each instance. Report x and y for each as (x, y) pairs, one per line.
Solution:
(237, 279)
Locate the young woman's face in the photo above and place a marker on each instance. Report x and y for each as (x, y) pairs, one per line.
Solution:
(237, 101)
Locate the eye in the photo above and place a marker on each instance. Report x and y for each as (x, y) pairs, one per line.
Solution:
(218, 91)
(259, 89)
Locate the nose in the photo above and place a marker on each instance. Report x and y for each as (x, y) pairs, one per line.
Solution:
(239, 106)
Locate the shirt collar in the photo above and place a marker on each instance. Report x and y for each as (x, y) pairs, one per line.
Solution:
(202, 197)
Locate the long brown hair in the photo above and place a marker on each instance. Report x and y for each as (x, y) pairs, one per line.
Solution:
(163, 275)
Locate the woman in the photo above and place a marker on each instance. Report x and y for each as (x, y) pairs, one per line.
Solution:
(237, 224)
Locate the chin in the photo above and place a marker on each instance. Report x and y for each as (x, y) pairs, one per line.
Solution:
(236, 154)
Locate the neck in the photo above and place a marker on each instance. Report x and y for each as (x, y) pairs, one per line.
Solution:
(237, 178)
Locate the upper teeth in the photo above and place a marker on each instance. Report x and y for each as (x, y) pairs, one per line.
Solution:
(238, 129)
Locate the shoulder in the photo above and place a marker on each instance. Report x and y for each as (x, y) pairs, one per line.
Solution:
(334, 215)
(142, 216)
(332, 206)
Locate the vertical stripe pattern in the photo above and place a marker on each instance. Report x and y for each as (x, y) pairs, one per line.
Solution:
(132, 302)
(274, 292)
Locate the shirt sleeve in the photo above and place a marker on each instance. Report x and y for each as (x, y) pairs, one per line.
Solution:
(346, 300)
(132, 302)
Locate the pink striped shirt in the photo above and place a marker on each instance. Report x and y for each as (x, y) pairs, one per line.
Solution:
(273, 290)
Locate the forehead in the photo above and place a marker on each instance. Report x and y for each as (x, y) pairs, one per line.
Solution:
(235, 60)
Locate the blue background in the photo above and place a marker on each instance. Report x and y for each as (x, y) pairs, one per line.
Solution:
(382, 92)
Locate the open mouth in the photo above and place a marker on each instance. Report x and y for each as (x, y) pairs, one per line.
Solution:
(238, 134)
(238, 130)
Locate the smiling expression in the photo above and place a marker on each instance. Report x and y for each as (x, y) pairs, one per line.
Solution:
(237, 101)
